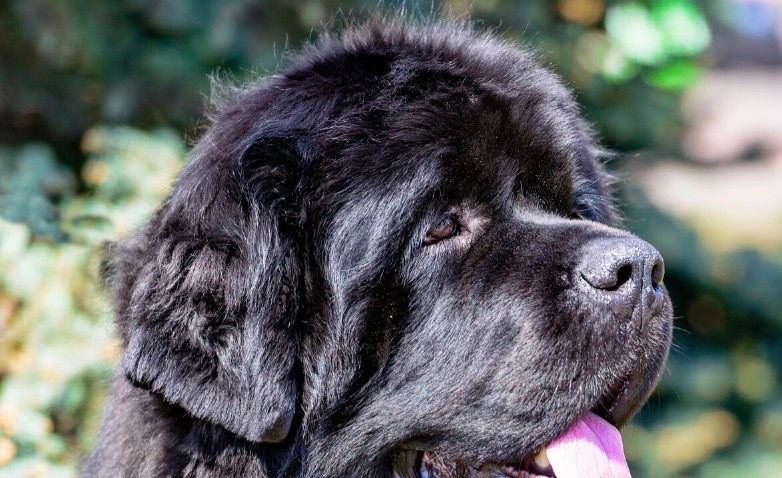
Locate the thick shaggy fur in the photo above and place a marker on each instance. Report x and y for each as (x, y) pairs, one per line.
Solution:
(282, 317)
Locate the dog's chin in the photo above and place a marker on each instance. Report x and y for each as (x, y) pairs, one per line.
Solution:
(619, 402)
(429, 464)
(422, 463)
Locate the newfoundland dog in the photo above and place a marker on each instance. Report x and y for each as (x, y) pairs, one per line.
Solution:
(395, 258)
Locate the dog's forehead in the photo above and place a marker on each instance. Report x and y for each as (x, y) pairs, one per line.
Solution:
(482, 114)
(488, 146)
(509, 144)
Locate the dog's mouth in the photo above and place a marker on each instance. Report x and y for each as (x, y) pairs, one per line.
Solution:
(590, 448)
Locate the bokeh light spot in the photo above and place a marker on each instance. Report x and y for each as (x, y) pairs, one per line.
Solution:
(755, 380)
(585, 12)
(631, 29)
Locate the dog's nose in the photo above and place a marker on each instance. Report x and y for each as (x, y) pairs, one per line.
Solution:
(625, 272)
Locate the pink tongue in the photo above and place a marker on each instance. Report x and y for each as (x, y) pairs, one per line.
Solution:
(592, 448)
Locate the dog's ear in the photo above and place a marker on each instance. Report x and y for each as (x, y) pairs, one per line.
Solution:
(207, 292)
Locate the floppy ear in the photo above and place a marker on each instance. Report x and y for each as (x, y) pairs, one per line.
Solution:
(206, 293)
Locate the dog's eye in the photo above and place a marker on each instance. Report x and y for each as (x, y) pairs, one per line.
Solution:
(445, 229)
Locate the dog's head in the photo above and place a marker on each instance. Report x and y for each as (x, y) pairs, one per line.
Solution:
(396, 256)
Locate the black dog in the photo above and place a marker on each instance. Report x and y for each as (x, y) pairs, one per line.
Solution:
(395, 258)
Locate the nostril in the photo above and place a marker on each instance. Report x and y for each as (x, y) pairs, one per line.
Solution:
(622, 276)
(609, 279)
(658, 273)
(625, 274)
(621, 266)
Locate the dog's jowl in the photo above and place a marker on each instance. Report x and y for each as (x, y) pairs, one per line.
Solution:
(396, 258)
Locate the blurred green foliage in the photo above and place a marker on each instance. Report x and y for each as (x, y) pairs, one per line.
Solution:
(96, 99)
(57, 346)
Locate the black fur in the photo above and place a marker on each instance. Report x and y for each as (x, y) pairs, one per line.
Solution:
(281, 316)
